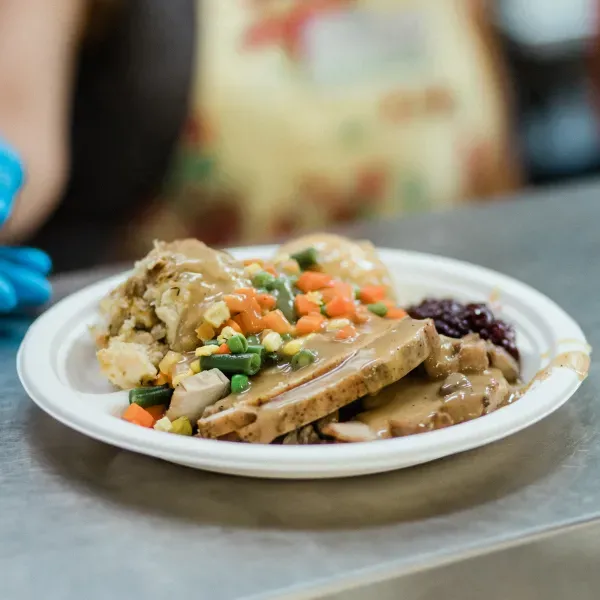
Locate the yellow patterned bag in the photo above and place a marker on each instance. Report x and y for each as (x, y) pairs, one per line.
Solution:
(308, 112)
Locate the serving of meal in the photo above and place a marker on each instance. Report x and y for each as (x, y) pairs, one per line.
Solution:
(279, 362)
(307, 347)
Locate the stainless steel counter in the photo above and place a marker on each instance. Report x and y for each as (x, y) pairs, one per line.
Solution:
(79, 519)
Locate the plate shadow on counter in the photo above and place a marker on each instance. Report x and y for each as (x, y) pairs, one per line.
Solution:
(452, 485)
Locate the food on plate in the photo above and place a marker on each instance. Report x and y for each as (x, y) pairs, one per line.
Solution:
(455, 320)
(307, 347)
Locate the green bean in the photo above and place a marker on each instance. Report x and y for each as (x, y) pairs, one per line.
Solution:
(239, 384)
(150, 396)
(253, 340)
(257, 349)
(263, 280)
(248, 363)
(306, 258)
(304, 358)
(285, 298)
(238, 344)
(379, 309)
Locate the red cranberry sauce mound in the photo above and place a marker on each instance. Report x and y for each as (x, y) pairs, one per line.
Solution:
(456, 320)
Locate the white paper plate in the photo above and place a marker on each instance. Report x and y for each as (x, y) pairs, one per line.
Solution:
(57, 367)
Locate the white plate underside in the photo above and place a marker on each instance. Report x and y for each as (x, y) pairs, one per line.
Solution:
(57, 366)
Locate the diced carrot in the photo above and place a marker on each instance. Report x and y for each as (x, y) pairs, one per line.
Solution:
(237, 303)
(252, 319)
(162, 379)
(157, 412)
(223, 349)
(270, 269)
(251, 261)
(231, 323)
(362, 315)
(337, 288)
(310, 324)
(266, 301)
(396, 313)
(372, 294)
(304, 305)
(346, 333)
(340, 307)
(343, 289)
(276, 321)
(250, 292)
(138, 416)
(310, 281)
(328, 294)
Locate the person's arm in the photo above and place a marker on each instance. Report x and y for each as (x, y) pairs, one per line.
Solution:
(38, 46)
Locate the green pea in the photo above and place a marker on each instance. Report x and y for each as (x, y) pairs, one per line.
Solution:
(379, 309)
(263, 280)
(307, 258)
(239, 384)
(272, 357)
(302, 359)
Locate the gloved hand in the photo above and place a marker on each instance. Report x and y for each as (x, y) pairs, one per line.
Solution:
(23, 271)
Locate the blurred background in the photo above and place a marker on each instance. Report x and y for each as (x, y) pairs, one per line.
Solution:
(250, 120)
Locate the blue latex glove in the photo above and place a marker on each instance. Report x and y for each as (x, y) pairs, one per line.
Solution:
(23, 271)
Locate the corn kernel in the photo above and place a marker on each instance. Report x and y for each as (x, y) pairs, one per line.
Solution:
(252, 269)
(337, 324)
(195, 367)
(207, 350)
(217, 314)
(205, 332)
(227, 333)
(293, 347)
(281, 258)
(168, 362)
(272, 342)
(179, 378)
(291, 267)
(315, 297)
(163, 424)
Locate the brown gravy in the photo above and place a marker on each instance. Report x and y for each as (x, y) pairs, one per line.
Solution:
(205, 275)
(416, 404)
(279, 379)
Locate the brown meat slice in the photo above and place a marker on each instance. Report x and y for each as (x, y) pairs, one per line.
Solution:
(365, 369)
(276, 380)
(501, 359)
(473, 355)
(352, 431)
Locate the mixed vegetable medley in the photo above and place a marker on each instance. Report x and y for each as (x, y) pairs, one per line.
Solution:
(260, 326)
